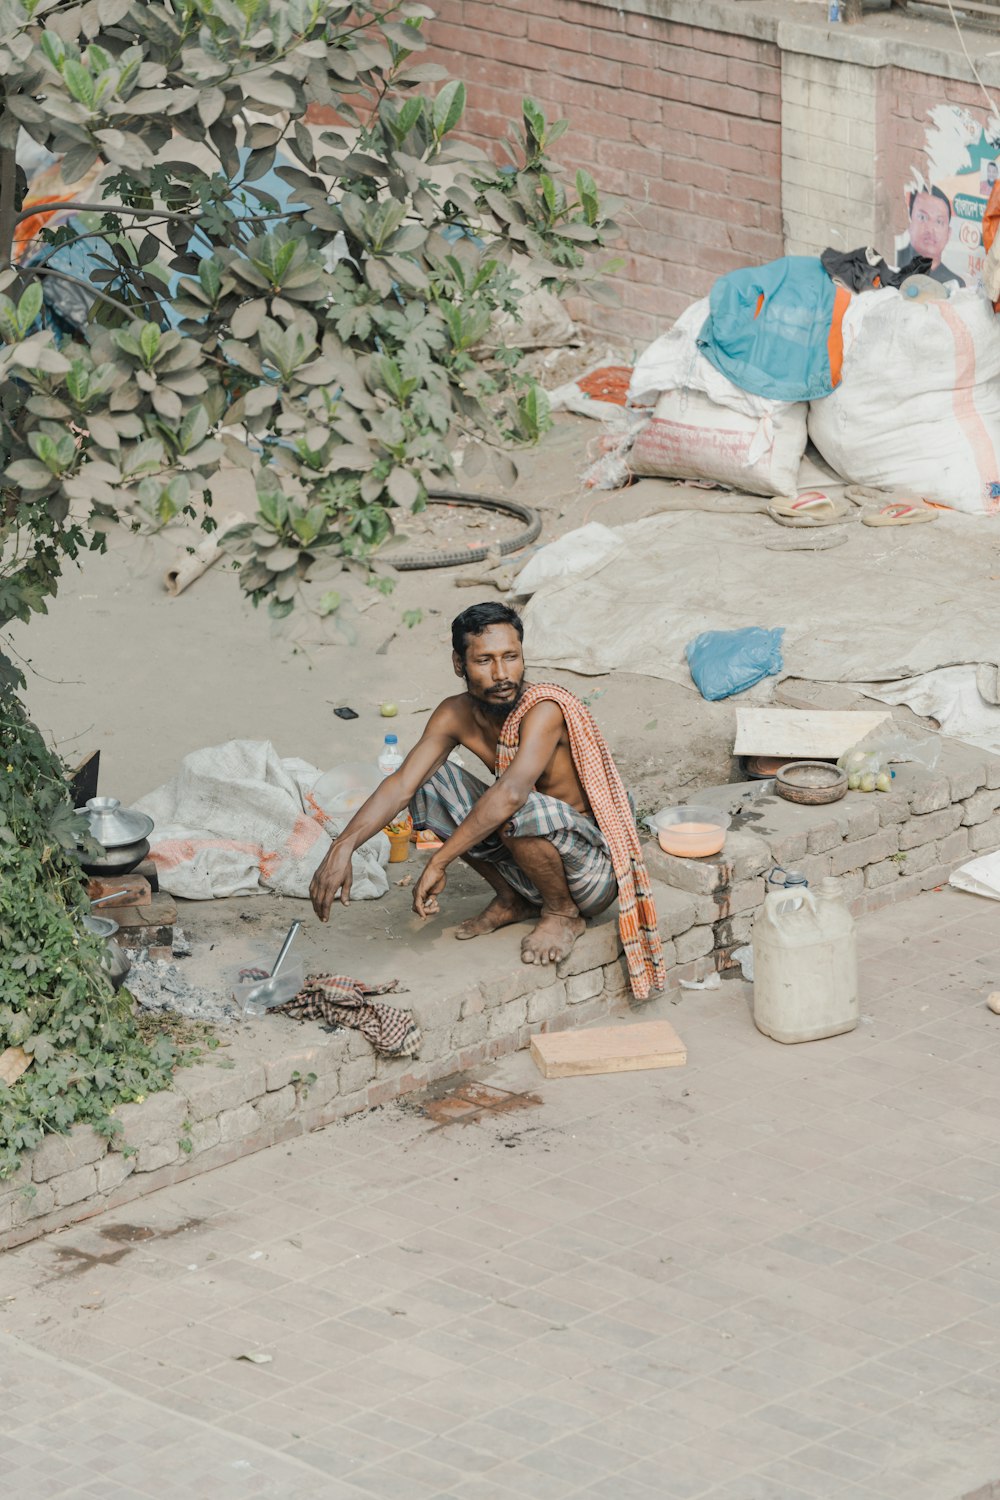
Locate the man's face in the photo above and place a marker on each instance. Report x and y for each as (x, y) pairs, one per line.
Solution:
(493, 668)
(991, 171)
(929, 224)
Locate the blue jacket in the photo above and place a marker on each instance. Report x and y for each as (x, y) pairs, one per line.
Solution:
(768, 329)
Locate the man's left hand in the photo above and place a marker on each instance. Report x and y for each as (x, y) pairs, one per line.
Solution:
(427, 890)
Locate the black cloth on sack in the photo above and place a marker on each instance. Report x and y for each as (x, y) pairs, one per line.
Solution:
(864, 270)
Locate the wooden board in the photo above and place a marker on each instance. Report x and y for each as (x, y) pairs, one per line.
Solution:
(13, 1063)
(802, 734)
(608, 1049)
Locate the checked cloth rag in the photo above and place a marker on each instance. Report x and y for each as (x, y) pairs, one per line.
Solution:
(341, 1001)
(609, 803)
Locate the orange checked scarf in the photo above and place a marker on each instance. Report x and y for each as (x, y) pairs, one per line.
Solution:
(609, 802)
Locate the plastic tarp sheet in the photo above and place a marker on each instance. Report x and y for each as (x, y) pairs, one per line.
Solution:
(885, 606)
(237, 819)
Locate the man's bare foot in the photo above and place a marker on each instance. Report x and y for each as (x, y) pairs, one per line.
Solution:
(499, 913)
(552, 939)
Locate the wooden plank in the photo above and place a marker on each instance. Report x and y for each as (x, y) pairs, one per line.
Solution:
(802, 734)
(13, 1063)
(608, 1049)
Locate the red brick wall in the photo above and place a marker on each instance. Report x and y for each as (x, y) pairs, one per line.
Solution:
(680, 123)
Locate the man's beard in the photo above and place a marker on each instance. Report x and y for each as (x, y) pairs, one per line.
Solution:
(496, 709)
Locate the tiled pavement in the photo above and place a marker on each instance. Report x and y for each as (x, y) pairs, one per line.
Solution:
(771, 1275)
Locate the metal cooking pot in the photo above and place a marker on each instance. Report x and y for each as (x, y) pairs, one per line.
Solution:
(114, 961)
(118, 860)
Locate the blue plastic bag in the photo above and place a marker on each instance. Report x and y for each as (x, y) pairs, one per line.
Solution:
(724, 662)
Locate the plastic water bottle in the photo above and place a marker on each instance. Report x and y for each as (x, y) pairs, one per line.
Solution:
(390, 758)
(833, 12)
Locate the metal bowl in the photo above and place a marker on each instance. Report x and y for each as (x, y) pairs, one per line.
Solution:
(113, 825)
(117, 861)
(812, 783)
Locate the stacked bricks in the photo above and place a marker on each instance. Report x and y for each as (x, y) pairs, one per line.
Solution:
(678, 123)
(882, 846)
(214, 1113)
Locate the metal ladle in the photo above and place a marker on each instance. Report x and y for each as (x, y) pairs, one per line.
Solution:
(263, 990)
(290, 936)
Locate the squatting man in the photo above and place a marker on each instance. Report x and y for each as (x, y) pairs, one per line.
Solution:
(539, 836)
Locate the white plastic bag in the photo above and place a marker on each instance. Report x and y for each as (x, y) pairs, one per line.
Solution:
(980, 877)
(578, 554)
(918, 408)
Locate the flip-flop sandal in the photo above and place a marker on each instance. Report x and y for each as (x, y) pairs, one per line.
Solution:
(808, 543)
(813, 508)
(900, 514)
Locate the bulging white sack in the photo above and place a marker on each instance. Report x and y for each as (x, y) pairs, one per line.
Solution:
(690, 437)
(918, 407)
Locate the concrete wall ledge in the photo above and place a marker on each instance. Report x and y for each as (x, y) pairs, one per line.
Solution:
(881, 40)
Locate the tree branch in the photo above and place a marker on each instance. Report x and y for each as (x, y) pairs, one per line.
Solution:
(102, 208)
(85, 285)
(8, 203)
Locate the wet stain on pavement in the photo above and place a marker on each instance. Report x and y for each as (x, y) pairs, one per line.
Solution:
(74, 1261)
(468, 1102)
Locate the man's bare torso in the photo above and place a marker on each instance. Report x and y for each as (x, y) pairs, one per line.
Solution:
(480, 733)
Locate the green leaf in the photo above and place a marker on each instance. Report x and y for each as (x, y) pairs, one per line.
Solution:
(149, 343)
(29, 306)
(534, 122)
(193, 429)
(586, 189)
(79, 82)
(210, 278)
(448, 108)
(404, 488)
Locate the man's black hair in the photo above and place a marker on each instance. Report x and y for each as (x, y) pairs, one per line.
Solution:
(932, 192)
(479, 617)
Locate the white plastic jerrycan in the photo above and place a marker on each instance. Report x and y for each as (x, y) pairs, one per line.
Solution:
(805, 964)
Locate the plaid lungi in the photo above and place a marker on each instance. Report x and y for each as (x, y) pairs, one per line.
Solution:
(447, 799)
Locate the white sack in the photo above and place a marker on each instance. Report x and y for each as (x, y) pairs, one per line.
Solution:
(673, 362)
(237, 819)
(690, 437)
(918, 408)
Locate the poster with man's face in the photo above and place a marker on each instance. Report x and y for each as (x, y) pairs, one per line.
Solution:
(944, 205)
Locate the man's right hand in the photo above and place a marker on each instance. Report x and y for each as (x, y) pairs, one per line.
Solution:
(333, 874)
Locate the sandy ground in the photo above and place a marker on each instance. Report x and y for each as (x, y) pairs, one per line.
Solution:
(118, 665)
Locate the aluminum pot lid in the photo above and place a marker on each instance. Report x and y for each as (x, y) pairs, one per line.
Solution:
(112, 825)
